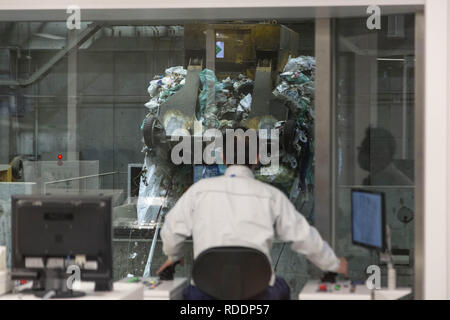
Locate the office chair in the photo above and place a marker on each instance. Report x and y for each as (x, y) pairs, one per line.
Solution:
(232, 273)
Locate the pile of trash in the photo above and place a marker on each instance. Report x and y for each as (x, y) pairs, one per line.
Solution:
(226, 103)
(296, 87)
(162, 87)
(223, 104)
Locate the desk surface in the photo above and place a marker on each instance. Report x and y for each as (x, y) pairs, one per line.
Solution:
(165, 290)
(121, 291)
(310, 292)
(386, 294)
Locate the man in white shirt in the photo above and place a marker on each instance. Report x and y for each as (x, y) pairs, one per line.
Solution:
(238, 210)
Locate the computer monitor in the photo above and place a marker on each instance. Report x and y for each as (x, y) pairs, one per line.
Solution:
(50, 233)
(368, 219)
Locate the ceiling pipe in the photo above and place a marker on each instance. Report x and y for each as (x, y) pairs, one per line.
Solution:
(82, 37)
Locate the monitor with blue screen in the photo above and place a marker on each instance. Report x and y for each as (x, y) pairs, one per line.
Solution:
(368, 219)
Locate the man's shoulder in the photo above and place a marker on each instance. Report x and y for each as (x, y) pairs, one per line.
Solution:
(257, 186)
(265, 185)
(274, 191)
(205, 184)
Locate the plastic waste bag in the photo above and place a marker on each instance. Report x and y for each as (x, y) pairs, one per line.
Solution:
(178, 70)
(245, 104)
(207, 95)
(149, 194)
(162, 87)
(300, 63)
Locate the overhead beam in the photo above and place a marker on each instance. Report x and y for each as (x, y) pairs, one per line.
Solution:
(82, 37)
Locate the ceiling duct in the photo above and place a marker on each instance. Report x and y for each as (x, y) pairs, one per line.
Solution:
(82, 37)
(53, 35)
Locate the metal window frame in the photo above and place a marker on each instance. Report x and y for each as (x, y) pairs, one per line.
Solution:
(419, 109)
(431, 207)
(325, 184)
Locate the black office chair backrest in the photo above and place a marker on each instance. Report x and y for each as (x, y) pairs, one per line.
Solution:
(232, 273)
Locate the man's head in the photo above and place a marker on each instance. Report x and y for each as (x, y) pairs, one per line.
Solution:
(240, 147)
(377, 150)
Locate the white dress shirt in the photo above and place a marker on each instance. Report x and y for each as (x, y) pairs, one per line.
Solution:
(238, 210)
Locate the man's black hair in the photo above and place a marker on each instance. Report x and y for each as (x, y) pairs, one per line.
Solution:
(378, 138)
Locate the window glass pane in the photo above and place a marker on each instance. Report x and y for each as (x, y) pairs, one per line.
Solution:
(81, 119)
(91, 111)
(374, 135)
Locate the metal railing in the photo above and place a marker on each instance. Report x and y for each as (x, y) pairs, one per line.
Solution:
(77, 178)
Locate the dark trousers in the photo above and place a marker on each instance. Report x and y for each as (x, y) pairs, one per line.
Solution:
(279, 291)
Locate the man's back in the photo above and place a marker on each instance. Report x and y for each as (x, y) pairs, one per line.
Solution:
(234, 209)
(237, 210)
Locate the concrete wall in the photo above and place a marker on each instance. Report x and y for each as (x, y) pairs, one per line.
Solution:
(112, 91)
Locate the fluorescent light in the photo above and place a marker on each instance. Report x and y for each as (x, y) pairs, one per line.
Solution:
(49, 36)
(389, 59)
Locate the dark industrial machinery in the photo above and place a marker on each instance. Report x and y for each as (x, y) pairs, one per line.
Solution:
(179, 110)
(234, 75)
(258, 51)
(13, 171)
(243, 44)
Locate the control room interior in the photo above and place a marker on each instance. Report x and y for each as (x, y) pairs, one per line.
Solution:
(87, 115)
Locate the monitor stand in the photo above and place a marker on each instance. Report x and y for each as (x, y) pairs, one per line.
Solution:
(38, 286)
(55, 285)
(387, 257)
(103, 285)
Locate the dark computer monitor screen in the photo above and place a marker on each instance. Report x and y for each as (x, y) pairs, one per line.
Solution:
(62, 227)
(368, 219)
